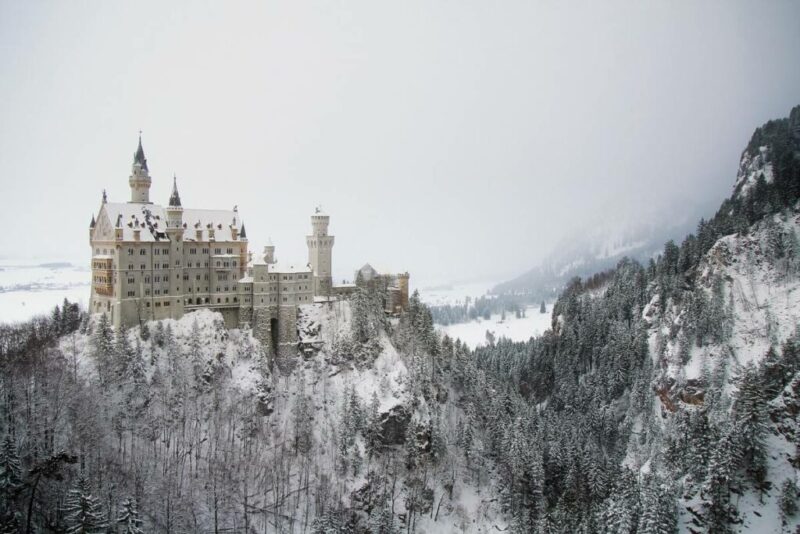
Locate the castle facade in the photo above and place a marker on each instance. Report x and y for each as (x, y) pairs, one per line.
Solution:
(156, 262)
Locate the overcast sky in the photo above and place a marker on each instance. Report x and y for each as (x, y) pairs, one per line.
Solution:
(452, 139)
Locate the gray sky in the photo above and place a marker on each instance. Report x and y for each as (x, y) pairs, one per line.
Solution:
(452, 139)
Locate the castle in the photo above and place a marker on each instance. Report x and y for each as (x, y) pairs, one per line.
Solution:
(156, 262)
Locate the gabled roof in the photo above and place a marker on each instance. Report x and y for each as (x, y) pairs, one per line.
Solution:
(151, 220)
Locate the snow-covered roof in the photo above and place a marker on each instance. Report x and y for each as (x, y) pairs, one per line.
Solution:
(367, 272)
(246, 280)
(151, 220)
(289, 268)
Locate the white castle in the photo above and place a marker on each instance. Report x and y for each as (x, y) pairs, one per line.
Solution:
(157, 262)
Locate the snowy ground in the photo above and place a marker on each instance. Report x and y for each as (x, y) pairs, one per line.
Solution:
(456, 293)
(474, 332)
(28, 288)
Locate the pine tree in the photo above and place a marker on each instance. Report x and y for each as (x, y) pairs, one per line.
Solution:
(381, 521)
(750, 417)
(774, 373)
(129, 518)
(718, 512)
(543, 308)
(10, 483)
(82, 511)
(659, 514)
(372, 427)
(123, 354)
(102, 344)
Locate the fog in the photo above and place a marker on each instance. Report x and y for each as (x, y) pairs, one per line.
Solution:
(456, 140)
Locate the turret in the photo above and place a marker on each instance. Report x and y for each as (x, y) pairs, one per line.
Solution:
(140, 176)
(174, 231)
(320, 245)
(174, 208)
(269, 252)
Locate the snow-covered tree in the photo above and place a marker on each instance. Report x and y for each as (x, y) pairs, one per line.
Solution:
(82, 511)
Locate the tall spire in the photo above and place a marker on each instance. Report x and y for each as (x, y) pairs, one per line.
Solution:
(175, 198)
(138, 157)
(243, 233)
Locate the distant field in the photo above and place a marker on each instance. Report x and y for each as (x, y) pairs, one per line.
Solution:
(31, 288)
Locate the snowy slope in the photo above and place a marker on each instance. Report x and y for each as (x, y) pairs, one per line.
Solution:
(762, 293)
(317, 386)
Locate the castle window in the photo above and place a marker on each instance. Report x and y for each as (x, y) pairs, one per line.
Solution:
(185, 276)
(217, 251)
(131, 293)
(157, 251)
(218, 300)
(143, 252)
(166, 303)
(158, 304)
(148, 304)
(235, 299)
(142, 266)
(130, 266)
(130, 252)
(146, 279)
(197, 277)
(230, 251)
(226, 300)
(131, 280)
(147, 293)
(192, 251)
(205, 251)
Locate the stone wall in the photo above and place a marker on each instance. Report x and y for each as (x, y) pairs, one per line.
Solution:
(287, 331)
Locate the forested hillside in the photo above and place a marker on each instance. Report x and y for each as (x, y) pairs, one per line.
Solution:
(664, 399)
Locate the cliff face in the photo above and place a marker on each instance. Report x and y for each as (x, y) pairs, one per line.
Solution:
(751, 286)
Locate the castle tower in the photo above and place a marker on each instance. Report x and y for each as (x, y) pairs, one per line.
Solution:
(320, 245)
(269, 252)
(402, 283)
(174, 233)
(140, 177)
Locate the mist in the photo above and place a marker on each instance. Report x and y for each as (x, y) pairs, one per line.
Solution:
(455, 140)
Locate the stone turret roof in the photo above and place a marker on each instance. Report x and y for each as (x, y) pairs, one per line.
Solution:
(243, 233)
(367, 272)
(175, 198)
(138, 157)
(93, 223)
